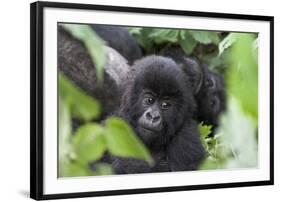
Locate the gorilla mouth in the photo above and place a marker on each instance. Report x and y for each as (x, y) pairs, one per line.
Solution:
(147, 130)
(150, 128)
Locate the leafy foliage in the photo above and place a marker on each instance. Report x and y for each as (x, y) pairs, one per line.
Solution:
(91, 140)
(232, 145)
(202, 44)
(149, 38)
(235, 142)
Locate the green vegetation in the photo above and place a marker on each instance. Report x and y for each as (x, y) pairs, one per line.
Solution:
(91, 140)
(235, 141)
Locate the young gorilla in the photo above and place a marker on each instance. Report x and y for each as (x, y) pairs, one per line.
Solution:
(159, 104)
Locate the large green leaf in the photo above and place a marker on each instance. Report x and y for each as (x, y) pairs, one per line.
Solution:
(164, 35)
(122, 141)
(205, 37)
(89, 143)
(82, 106)
(76, 170)
(187, 42)
(142, 37)
(227, 42)
(65, 148)
(243, 75)
(239, 136)
(92, 42)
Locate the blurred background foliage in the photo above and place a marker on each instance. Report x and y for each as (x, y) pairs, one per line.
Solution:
(235, 141)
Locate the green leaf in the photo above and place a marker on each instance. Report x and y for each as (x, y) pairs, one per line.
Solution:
(204, 130)
(65, 148)
(75, 170)
(103, 169)
(164, 35)
(93, 43)
(89, 143)
(239, 136)
(122, 141)
(243, 75)
(209, 164)
(227, 42)
(205, 37)
(187, 42)
(143, 39)
(82, 106)
(135, 30)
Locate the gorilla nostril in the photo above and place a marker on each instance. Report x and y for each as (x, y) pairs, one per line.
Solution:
(148, 116)
(155, 119)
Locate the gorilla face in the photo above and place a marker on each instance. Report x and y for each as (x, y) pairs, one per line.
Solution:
(157, 113)
(159, 99)
(214, 102)
(151, 118)
(159, 104)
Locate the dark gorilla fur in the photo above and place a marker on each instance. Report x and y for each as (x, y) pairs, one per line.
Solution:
(120, 39)
(208, 87)
(75, 63)
(211, 98)
(177, 146)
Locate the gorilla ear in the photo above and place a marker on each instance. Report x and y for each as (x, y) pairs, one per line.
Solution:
(195, 72)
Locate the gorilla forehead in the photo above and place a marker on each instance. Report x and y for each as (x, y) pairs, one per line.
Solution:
(159, 74)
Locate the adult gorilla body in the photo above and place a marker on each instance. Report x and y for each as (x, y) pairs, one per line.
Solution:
(160, 107)
(208, 87)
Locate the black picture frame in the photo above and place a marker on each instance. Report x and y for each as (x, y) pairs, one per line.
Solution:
(37, 98)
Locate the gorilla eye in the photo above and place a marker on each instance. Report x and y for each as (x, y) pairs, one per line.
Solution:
(149, 100)
(165, 105)
(211, 83)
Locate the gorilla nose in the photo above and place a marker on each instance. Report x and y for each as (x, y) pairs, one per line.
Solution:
(154, 117)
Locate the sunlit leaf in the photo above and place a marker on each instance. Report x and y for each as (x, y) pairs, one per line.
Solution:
(122, 141)
(210, 164)
(227, 42)
(239, 136)
(76, 170)
(89, 143)
(242, 78)
(82, 106)
(65, 149)
(204, 130)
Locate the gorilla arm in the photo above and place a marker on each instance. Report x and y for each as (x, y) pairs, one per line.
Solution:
(130, 166)
(185, 152)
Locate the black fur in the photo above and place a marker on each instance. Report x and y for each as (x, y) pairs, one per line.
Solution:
(177, 146)
(120, 39)
(211, 98)
(208, 87)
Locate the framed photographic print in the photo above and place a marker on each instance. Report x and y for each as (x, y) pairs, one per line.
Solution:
(134, 100)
